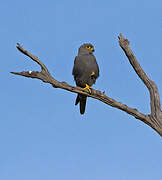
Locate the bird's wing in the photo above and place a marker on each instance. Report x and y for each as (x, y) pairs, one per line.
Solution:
(93, 66)
(97, 71)
(84, 66)
(78, 68)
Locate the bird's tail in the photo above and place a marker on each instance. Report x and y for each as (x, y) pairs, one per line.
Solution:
(82, 99)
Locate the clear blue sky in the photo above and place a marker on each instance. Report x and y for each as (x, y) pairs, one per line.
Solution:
(42, 134)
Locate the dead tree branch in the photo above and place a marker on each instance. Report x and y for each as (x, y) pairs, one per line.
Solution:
(153, 120)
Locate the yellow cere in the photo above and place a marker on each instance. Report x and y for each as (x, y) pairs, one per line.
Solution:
(89, 48)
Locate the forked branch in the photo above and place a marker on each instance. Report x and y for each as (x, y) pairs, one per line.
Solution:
(154, 119)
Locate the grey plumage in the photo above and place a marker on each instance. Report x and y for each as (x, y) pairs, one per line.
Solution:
(85, 71)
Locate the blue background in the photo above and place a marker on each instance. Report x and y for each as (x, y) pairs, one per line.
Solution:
(42, 134)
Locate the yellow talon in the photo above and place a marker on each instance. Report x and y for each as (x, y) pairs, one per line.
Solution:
(93, 73)
(88, 87)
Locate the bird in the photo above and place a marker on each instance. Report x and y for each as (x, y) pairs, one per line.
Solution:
(85, 72)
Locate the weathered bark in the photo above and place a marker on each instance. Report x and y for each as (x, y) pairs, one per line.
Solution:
(154, 119)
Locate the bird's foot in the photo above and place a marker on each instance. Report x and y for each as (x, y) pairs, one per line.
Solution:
(88, 87)
(93, 73)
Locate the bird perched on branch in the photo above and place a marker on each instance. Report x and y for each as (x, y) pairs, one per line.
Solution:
(85, 72)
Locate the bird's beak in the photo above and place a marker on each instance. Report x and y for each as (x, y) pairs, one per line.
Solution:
(93, 50)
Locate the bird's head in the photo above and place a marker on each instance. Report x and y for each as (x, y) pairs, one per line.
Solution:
(86, 48)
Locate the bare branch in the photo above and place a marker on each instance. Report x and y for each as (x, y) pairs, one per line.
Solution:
(154, 120)
(154, 94)
(34, 58)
